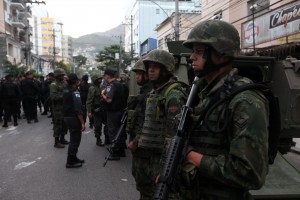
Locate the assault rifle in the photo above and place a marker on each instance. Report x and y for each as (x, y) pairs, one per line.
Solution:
(115, 141)
(176, 149)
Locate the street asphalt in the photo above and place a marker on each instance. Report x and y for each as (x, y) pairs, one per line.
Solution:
(32, 169)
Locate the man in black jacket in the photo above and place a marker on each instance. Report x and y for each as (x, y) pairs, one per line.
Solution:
(73, 117)
(10, 95)
(30, 92)
(114, 96)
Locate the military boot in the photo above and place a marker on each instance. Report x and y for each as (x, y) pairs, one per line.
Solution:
(57, 144)
(72, 162)
(5, 124)
(79, 160)
(28, 121)
(63, 140)
(99, 142)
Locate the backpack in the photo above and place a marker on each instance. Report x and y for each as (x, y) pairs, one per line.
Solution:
(225, 95)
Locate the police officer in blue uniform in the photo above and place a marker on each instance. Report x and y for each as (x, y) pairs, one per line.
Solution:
(73, 112)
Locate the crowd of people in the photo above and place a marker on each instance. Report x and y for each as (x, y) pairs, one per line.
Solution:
(24, 93)
(227, 153)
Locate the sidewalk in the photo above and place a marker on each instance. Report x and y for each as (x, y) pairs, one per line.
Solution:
(296, 149)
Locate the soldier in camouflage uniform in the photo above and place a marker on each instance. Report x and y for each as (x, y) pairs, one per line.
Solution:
(57, 88)
(96, 108)
(163, 103)
(136, 113)
(228, 154)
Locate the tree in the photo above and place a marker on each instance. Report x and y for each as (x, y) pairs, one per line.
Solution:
(66, 67)
(107, 57)
(14, 70)
(79, 60)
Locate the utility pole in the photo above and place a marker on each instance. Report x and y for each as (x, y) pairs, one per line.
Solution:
(120, 55)
(27, 48)
(131, 40)
(131, 35)
(62, 40)
(53, 64)
(176, 20)
(253, 8)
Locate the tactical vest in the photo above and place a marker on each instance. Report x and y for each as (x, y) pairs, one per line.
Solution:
(154, 127)
(97, 96)
(213, 142)
(136, 111)
(135, 120)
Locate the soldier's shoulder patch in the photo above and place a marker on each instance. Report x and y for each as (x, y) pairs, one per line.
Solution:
(173, 105)
(240, 119)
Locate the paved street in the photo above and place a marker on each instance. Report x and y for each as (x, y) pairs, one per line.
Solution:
(32, 169)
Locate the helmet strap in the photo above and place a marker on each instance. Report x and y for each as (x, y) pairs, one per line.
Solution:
(144, 80)
(209, 66)
(164, 77)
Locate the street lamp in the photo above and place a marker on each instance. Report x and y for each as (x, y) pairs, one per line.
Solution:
(253, 8)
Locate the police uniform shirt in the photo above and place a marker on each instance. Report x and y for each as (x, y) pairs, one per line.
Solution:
(114, 92)
(77, 103)
(72, 103)
(110, 90)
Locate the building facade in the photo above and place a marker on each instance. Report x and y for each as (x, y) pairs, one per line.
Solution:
(261, 23)
(14, 32)
(145, 15)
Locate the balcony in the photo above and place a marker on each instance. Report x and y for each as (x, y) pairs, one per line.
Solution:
(26, 13)
(17, 4)
(19, 23)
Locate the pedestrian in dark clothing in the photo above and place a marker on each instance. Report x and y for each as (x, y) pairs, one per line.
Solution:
(114, 95)
(30, 92)
(10, 95)
(74, 118)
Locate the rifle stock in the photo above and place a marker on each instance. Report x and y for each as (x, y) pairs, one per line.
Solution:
(115, 141)
(176, 149)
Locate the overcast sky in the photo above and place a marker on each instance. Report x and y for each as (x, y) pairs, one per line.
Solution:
(81, 17)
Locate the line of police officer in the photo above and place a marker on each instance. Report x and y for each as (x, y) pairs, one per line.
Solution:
(26, 91)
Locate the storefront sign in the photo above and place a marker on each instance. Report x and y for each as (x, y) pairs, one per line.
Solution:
(282, 22)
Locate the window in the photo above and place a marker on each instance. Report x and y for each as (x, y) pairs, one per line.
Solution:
(157, 11)
(160, 44)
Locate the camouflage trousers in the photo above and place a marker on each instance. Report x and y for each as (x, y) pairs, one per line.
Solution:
(59, 127)
(145, 169)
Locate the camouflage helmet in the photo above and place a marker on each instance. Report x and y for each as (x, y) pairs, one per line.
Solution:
(58, 71)
(139, 66)
(95, 77)
(162, 57)
(220, 35)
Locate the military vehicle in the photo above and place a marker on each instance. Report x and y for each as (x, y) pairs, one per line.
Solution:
(281, 67)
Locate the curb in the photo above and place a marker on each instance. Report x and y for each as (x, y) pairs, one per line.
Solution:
(295, 150)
